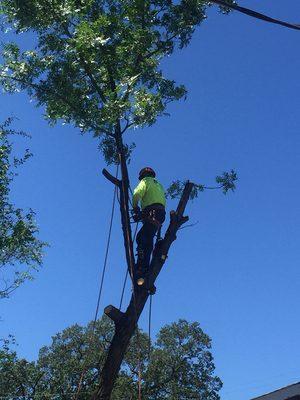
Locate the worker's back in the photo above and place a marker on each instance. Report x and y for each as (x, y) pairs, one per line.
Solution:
(150, 191)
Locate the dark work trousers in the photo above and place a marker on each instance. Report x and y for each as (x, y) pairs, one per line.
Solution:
(153, 218)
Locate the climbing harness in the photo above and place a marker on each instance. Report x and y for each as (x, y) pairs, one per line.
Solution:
(152, 218)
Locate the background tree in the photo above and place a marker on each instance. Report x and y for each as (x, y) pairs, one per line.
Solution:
(97, 64)
(20, 249)
(180, 367)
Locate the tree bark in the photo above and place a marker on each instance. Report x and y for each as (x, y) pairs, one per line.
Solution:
(125, 323)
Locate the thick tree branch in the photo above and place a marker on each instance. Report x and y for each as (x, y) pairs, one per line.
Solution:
(111, 178)
(114, 313)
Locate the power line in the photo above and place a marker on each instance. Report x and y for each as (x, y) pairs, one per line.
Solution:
(256, 14)
(149, 327)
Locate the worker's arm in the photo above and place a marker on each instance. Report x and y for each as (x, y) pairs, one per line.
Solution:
(138, 193)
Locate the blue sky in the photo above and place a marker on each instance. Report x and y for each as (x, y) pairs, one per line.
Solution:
(237, 270)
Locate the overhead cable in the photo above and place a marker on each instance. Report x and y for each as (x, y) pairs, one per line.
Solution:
(256, 14)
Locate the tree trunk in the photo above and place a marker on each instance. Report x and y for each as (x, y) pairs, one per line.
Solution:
(125, 323)
(124, 200)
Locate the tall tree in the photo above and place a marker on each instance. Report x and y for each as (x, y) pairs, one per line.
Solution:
(180, 367)
(96, 64)
(20, 248)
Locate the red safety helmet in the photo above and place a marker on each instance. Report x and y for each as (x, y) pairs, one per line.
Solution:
(147, 171)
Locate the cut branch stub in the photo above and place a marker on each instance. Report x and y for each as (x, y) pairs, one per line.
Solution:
(114, 313)
(111, 178)
(184, 198)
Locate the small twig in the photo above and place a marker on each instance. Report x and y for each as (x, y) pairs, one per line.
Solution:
(212, 187)
(189, 226)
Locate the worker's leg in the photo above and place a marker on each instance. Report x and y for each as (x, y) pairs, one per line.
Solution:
(145, 236)
(148, 242)
(140, 247)
(144, 241)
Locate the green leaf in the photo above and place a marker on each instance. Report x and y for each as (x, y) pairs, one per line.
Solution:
(20, 249)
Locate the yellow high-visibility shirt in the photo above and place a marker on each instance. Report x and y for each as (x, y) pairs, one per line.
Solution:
(147, 192)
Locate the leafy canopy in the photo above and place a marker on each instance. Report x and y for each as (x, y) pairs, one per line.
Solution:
(20, 249)
(180, 367)
(98, 61)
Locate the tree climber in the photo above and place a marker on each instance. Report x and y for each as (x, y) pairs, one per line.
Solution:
(151, 196)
